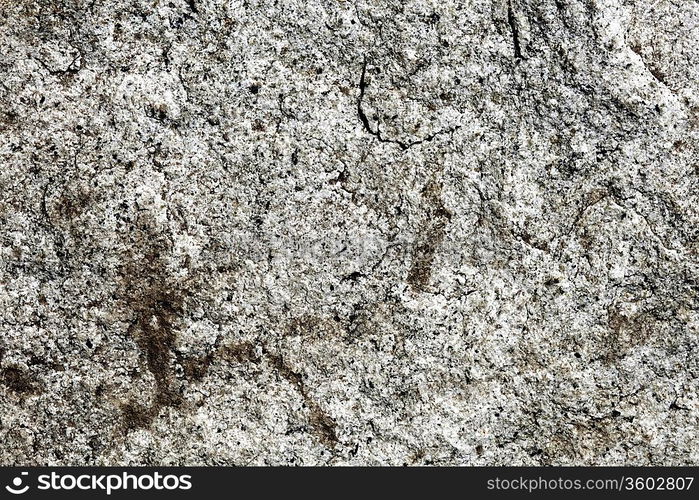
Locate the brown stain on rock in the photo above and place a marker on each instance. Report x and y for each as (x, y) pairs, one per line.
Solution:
(154, 302)
(626, 331)
(432, 236)
(195, 369)
(136, 416)
(70, 206)
(322, 424)
(19, 381)
(315, 327)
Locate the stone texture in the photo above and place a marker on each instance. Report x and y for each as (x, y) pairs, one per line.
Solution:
(330, 232)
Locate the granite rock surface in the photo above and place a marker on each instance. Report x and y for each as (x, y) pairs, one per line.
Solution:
(329, 232)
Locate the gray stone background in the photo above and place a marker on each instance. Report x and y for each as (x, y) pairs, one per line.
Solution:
(336, 232)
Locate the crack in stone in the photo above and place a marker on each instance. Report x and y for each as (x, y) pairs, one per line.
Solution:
(377, 133)
(514, 28)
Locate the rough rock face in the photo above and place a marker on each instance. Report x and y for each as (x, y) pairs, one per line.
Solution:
(349, 232)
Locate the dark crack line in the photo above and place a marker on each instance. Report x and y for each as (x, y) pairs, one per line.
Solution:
(561, 8)
(515, 31)
(360, 109)
(377, 133)
(70, 69)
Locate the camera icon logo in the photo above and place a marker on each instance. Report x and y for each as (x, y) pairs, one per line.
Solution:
(16, 488)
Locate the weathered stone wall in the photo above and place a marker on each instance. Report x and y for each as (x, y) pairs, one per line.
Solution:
(349, 232)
